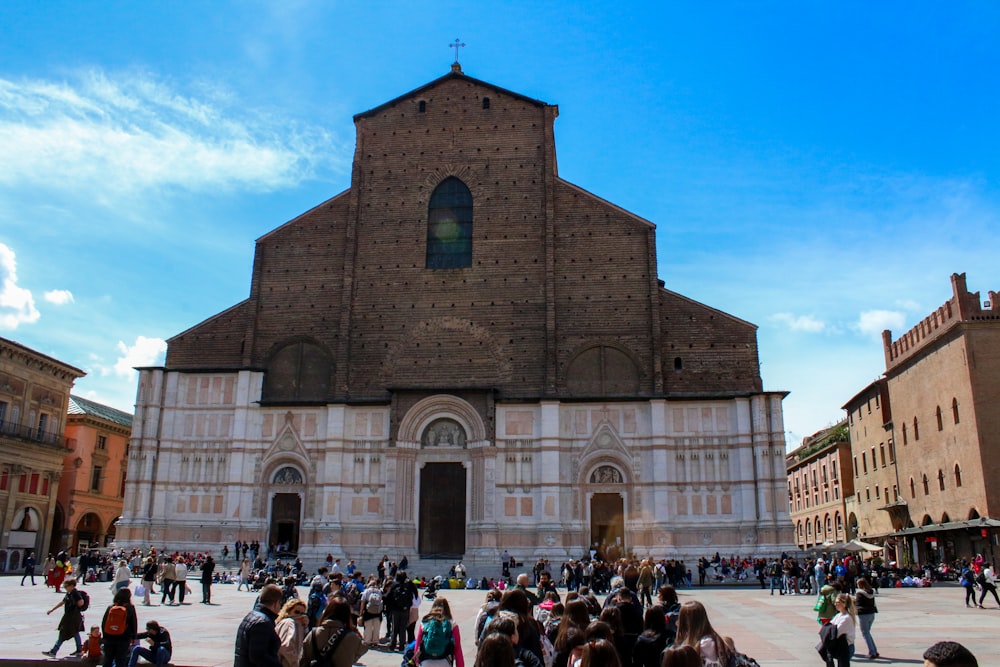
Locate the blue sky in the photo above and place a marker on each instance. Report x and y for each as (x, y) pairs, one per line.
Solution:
(817, 168)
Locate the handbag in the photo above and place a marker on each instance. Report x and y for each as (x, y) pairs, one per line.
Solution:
(324, 657)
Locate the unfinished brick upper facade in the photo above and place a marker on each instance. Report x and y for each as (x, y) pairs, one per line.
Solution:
(555, 329)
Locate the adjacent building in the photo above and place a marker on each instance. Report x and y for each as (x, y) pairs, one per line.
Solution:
(34, 395)
(943, 378)
(819, 484)
(92, 487)
(461, 353)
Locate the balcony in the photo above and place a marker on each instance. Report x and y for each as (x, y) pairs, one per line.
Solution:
(32, 434)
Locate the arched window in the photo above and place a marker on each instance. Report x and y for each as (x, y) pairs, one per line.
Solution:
(299, 371)
(486, 103)
(913, 489)
(958, 475)
(905, 438)
(678, 364)
(840, 524)
(940, 480)
(829, 526)
(940, 419)
(927, 487)
(602, 370)
(916, 429)
(954, 410)
(449, 226)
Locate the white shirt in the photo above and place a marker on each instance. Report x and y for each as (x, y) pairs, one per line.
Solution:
(180, 572)
(845, 626)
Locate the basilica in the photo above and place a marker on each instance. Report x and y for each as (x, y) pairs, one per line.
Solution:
(460, 354)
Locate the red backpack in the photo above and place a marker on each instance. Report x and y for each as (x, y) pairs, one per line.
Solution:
(115, 621)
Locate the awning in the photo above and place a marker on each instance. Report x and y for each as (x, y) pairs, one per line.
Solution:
(950, 525)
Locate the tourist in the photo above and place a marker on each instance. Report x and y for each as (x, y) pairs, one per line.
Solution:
(372, 606)
(207, 568)
(986, 585)
(257, 643)
(122, 577)
(496, 650)
(71, 623)
(949, 654)
(570, 636)
(291, 626)
(167, 570)
(487, 612)
(160, 647)
(244, 575)
(654, 638)
(694, 629)
(398, 600)
(506, 624)
(529, 634)
(864, 600)
(438, 627)
(844, 622)
(180, 580)
(968, 581)
(120, 626)
(599, 653)
(681, 656)
(336, 637)
(149, 570)
(29, 568)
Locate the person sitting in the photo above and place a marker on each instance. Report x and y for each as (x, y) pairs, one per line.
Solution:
(160, 648)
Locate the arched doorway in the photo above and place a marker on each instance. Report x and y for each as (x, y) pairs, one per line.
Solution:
(607, 524)
(286, 508)
(88, 530)
(442, 511)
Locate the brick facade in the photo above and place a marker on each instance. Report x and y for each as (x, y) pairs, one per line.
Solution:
(560, 305)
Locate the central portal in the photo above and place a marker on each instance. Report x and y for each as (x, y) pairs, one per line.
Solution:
(442, 511)
(607, 524)
(285, 511)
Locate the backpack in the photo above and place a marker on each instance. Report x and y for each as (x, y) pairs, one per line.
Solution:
(436, 639)
(316, 606)
(399, 597)
(374, 603)
(353, 596)
(85, 596)
(115, 621)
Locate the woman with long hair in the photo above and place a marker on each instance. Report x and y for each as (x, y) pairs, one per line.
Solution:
(681, 656)
(845, 620)
(573, 624)
(495, 650)
(292, 625)
(336, 635)
(529, 636)
(654, 638)
(440, 613)
(623, 643)
(599, 653)
(695, 630)
(864, 600)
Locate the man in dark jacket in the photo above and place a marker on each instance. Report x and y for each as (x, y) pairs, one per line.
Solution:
(207, 570)
(399, 599)
(160, 648)
(257, 642)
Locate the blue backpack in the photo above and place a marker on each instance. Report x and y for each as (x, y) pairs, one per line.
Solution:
(436, 638)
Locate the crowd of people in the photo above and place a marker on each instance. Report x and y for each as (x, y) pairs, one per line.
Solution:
(524, 620)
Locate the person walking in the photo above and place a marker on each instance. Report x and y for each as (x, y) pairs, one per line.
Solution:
(71, 623)
(122, 577)
(29, 568)
(180, 580)
(986, 585)
(864, 600)
(167, 570)
(292, 625)
(244, 575)
(843, 626)
(207, 571)
(968, 581)
(149, 570)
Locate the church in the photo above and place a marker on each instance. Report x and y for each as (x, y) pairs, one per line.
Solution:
(458, 355)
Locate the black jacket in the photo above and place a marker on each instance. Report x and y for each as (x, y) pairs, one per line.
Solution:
(257, 642)
(160, 640)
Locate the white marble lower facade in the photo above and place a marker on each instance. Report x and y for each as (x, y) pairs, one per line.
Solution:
(668, 478)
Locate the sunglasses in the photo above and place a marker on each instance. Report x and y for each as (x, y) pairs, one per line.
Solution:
(299, 612)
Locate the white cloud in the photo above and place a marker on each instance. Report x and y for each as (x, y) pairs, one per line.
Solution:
(145, 352)
(873, 322)
(17, 305)
(59, 296)
(131, 133)
(804, 323)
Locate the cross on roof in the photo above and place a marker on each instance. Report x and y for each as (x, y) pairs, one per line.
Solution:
(457, 45)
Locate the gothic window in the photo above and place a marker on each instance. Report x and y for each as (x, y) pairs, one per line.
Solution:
(298, 371)
(449, 226)
(905, 438)
(916, 429)
(940, 419)
(940, 480)
(602, 370)
(954, 410)
(927, 488)
(958, 475)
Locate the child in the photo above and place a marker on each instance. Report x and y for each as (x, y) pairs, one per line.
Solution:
(94, 645)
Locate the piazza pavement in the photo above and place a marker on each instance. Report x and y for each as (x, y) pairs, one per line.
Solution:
(775, 630)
